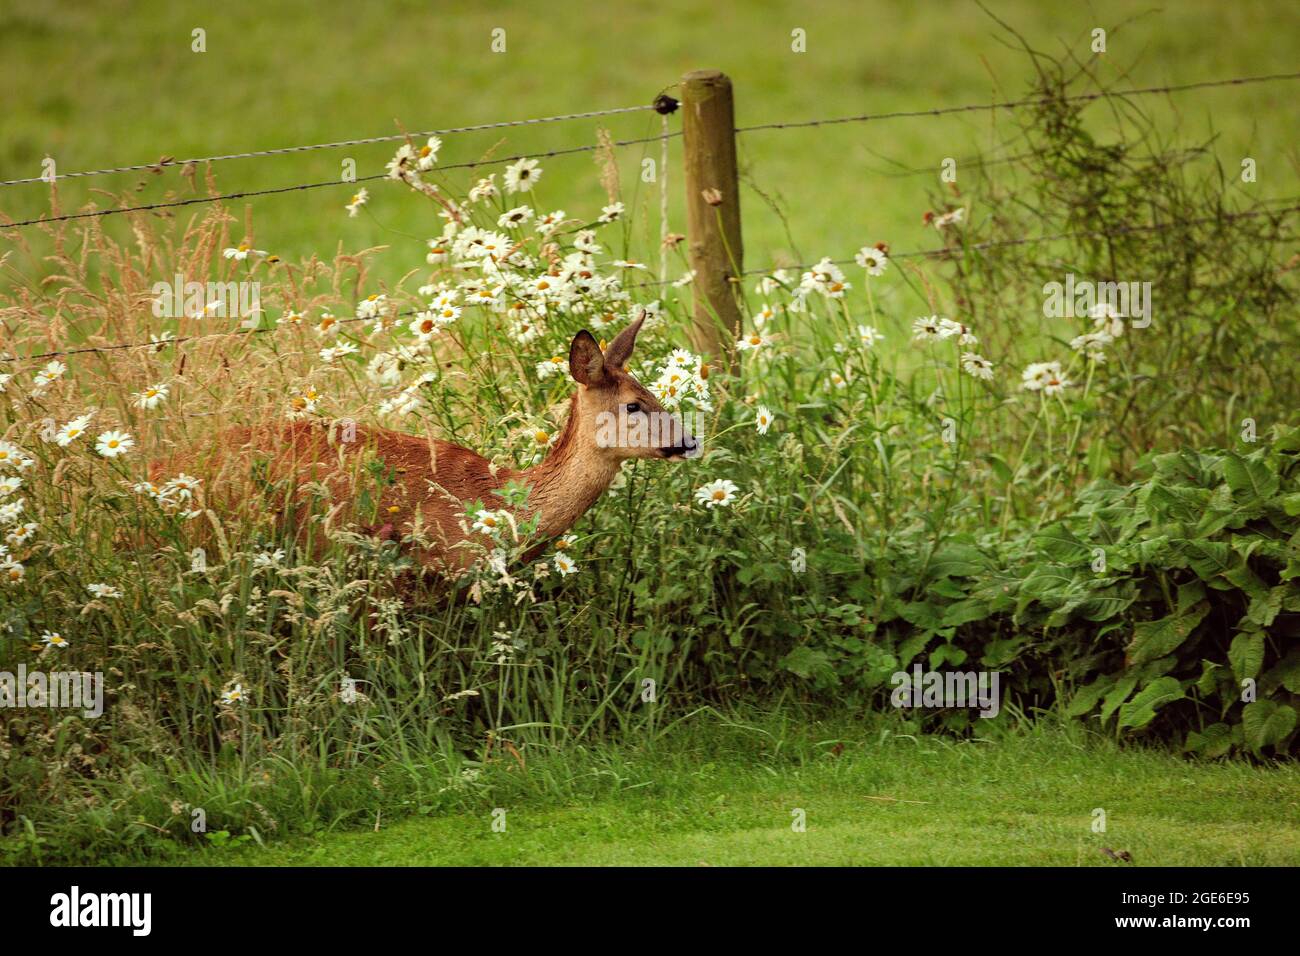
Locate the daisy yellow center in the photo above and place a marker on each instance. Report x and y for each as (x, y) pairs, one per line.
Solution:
(755, 340)
(541, 437)
(719, 495)
(426, 150)
(113, 443)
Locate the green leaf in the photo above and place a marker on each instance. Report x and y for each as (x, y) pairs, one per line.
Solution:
(1264, 608)
(1086, 699)
(805, 662)
(1152, 639)
(1265, 722)
(1250, 478)
(913, 646)
(1246, 654)
(1141, 710)
(1117, 695)
(963, 612)
(1059, 543)
(1214, 741)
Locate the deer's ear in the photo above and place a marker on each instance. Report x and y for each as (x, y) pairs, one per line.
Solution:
(620, 350)
(586, 363)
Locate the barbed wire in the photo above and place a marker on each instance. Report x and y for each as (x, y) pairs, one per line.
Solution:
(171, 204)
(1029, 101)
(956, 251)
(281, 150)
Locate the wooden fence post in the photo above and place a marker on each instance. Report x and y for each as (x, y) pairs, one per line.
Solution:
(712, 208)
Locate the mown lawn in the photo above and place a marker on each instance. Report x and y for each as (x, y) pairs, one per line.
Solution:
(1026, 799)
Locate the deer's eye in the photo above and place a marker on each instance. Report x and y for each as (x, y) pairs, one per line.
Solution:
(633, 408)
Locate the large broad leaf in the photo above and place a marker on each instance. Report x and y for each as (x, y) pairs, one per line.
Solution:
(1086, 698)
(1102, 607)
(1059, 543)
(1152, 639)
(1264, 608)
(1266, 723)
(1214, 741)
(963, 612)
(1117, 695)
(807, 663)
(1246, 655)
(1286, 673)
(1249, 478)
(957, 560)
(1141, 710)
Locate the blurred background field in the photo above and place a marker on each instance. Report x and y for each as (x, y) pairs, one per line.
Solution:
(107, 84)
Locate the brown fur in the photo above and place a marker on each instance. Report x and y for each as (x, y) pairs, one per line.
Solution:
(434, 480)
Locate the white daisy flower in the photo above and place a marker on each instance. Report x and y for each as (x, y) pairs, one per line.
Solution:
(1045, 377)
(485, 188)
(111, 444)
(611, 213)
(235, 695)
(555, 365)
(872, 259)
(359, 199)
(959, 329)
(489, 522)
(717, 494)
(565, 565)
(103, 591)
(868, 335)
(9, 513)
(73, 430)
(268, 559)
(11, 571)
(21, 534)
(929, 329)
(54, 639)
(427, 154)
(520, 177)
(515, 218)
(977, 366)
(152, 397)
(242, 252)
(763, 419)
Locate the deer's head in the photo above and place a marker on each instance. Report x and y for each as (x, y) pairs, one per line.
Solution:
(618, 416)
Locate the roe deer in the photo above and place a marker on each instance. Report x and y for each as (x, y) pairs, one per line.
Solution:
(434, 480)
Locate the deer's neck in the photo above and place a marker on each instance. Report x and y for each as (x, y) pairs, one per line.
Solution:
(570, 479)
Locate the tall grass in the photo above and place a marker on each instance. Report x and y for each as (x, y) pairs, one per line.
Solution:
(261, 685)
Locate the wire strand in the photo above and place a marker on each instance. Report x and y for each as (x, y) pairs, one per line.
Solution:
(171, 204)
(281, 150)
(1031, 101)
